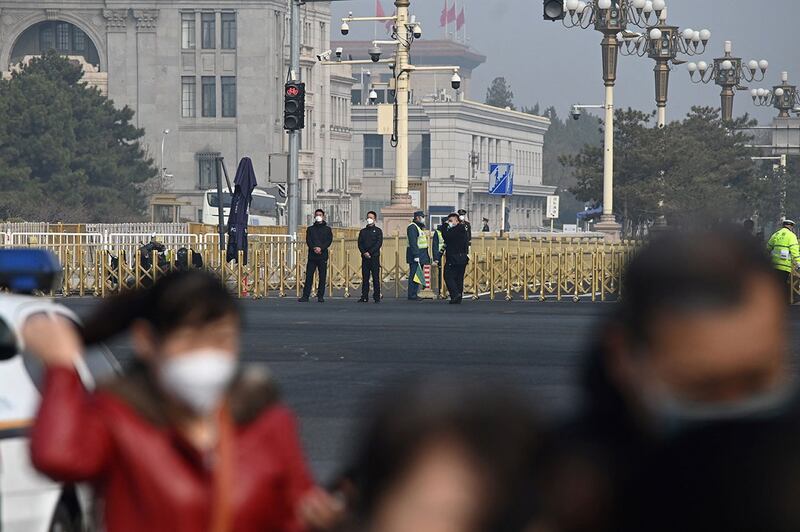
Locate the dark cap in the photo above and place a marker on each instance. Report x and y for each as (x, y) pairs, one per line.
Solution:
(462, 212)
(417, 214)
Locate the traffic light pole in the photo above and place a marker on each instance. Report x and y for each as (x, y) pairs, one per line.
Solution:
(293, 180)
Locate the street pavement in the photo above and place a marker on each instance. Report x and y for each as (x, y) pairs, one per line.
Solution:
(330, 358)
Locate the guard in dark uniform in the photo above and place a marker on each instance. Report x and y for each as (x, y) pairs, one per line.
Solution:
(456, 257)
(462, 219)
(370, 241)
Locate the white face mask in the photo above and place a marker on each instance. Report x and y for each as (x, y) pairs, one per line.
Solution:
(451, 224)
(462, 217)
(318, 219)
(370, 221)
(199, 378)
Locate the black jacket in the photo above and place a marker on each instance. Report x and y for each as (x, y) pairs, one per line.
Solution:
(456, 240)
(370, 240)
(319, 235)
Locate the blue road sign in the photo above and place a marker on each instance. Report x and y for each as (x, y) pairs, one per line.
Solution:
(501, 179)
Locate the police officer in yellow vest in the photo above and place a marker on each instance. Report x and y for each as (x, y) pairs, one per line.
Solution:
(417, 254)
(784, 249)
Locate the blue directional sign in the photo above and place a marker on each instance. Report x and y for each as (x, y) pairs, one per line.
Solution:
(501, 179)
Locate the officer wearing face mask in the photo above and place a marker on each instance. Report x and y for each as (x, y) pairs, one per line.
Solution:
(456, 241)
(319, 238)
(690, 411)
(417, 255)
(185, 439)
(462, 218)
(370, 241)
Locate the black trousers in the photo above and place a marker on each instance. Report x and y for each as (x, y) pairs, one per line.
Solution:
(454, 278)
(786, 279)
(313, 266)
(371, 268)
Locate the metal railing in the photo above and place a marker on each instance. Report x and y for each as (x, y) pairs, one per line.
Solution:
(499, 269)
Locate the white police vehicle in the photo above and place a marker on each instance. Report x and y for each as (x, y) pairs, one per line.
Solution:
(30, 502)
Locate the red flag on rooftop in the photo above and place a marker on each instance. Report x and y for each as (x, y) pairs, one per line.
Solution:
(443, 17)
(461, 20)
(451, 14)
(379, 12)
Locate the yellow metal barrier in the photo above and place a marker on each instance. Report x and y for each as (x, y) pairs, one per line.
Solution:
(499, 269)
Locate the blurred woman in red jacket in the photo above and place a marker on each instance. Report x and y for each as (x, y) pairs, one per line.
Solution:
(184, 441)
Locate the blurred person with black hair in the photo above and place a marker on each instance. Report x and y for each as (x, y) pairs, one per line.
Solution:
(462, 219)
(319, 237)
(370, 241)
(445, 456)
(186, 440)
(690, 419)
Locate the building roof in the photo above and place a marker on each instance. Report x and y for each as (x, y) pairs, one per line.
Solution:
(429, 52)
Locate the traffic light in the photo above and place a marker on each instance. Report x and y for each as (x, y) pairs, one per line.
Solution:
(554, 10)
(294, 106)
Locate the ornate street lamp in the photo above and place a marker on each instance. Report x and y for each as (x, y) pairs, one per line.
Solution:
(611, 17)
(783, 97)
(728, 72)
(663, 43)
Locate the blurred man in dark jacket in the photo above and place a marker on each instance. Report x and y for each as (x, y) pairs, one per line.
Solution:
(319, 238)
(456, 257)
(690, 420)
(462, 219)
(370, 241)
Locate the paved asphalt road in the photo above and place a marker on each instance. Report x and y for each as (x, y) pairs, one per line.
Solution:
(329, 358)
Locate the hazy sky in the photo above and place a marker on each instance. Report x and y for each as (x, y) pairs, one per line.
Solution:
(548, 63)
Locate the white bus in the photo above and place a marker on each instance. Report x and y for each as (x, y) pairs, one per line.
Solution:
(264, 208)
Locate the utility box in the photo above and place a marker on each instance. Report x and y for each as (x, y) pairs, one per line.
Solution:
(278, 168)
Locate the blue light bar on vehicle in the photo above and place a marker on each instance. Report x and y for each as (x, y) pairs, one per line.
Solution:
(25, 271)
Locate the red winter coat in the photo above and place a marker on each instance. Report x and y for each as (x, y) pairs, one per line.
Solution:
(149, 477)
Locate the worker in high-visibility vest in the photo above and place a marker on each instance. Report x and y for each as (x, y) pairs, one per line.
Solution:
(417, 255)
(785, 250)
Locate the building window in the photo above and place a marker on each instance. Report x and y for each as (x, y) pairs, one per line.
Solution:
(62, 37)
(228, 96)
(373, 151)
(47, 38)
(228, 21)
(209, 30)
(209, 96)
(355, 96)
(426, 154)
(207, 166)
(188, 97)
(187, 31)
(79, 41)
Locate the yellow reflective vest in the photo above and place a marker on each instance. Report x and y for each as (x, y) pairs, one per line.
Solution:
(784, 249)
(422, 237)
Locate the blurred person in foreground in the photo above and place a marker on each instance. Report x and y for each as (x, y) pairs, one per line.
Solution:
(183, 441)
(691, 420)
(785, 251)
(440, 456)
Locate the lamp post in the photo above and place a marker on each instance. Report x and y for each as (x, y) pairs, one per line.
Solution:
(663, 43)
(728, 72)
(163, 173)
(610, 17)
(405, 31)
(783, 97)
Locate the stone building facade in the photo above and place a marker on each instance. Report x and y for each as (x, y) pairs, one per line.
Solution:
(211, 73)
(442, 136)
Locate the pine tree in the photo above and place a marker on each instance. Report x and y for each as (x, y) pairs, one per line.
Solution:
(499, 94)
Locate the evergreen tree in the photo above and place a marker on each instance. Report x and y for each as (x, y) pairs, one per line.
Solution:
(499, 94)
(66, 153)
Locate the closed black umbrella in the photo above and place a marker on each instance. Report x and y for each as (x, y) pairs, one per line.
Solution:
(244, 183)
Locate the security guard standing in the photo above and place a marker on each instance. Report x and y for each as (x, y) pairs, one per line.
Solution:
(456, 257)
(370, 241)
(438, 255)
(785, 250)
(417, 255)
(462, 219)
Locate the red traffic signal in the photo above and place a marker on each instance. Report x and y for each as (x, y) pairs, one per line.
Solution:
(294, 106)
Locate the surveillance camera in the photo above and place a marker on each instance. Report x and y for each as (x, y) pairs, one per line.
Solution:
(417, 31)
(575, 112)
(375, 53)
(373, 96)
(339, 52)
(324, 56)
(345, 28)
(455, 81)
